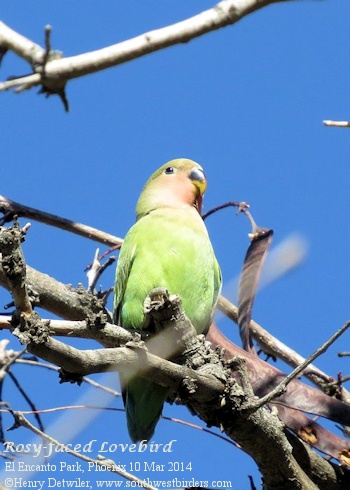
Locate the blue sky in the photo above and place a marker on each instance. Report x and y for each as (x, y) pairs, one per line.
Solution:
(246, 102)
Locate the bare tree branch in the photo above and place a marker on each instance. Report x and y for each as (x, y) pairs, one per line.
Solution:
(108, 334)
(337, 124)
(204, 392)
(51, 292)
(325, 474)
(11, 208)
(23, 47)
(73, 304)
(59, 71)
(76, 304)
(201, 381)
(21, 420)
(13, 265)
(209, 389)
(60, 299)
(274, 347)
(281, 387)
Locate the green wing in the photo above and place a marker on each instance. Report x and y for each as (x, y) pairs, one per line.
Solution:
(125, 261)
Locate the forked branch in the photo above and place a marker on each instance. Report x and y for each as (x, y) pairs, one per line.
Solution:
(53, 73)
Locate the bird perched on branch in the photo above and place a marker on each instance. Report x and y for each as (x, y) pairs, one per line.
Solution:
(169, 247)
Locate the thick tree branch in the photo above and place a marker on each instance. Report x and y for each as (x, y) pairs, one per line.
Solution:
(13, 265)
(76, 304)
(107, 334)
(202, 389)
(209, 390)
(52, 295)
(325, 474)
(58, 71)
(113, 338)
(58, 298)
(23, 47)
(266, 341)
(217, 398)
(263, 376)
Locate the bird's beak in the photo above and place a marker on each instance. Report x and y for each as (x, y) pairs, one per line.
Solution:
(198, 178)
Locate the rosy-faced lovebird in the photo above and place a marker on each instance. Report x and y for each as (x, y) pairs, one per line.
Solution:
(168, 247)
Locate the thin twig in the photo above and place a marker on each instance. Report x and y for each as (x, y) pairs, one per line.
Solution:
(27, 399)
(48, 29)
(241, 205)
(202, 429)
(272, 346)
(93, 272)
(281, 387)
(337, 124)
(96, 269)
(89, 381)
(114, 468)
(27, 83)
(5, 367)
(117, 409)
(11, 208)
(67, 407)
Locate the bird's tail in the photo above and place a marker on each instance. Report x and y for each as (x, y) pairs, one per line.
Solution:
(143, 402)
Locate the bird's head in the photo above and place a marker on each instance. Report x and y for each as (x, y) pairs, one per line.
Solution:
(178, 183)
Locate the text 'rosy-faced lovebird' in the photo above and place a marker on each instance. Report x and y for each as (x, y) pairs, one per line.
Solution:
(168, 247)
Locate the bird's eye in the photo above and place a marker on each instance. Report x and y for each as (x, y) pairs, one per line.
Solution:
(169, 170)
